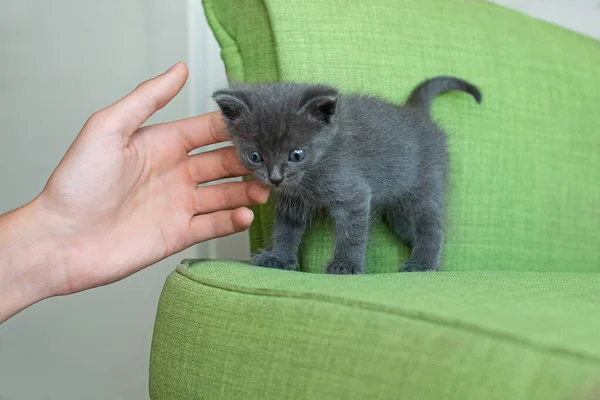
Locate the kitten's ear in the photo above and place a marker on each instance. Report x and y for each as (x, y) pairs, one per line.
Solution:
(319, 103)
(233, 103)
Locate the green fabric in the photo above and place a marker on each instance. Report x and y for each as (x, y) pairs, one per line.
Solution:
(231, 331)
(513, 317)
(524, 192)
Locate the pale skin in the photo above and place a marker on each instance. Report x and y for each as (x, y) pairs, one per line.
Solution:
(123, 198)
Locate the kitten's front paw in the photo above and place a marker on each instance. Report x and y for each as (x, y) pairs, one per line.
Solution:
(343, 268)
(417, 266)
(269, 260)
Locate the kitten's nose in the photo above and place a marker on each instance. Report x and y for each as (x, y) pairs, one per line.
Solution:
(276, 174)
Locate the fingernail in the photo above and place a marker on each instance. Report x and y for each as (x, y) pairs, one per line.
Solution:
(266, 196)
(172, 68)
(251, 215)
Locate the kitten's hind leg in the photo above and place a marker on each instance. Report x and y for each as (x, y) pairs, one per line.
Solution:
(418, 226)
(428, 236)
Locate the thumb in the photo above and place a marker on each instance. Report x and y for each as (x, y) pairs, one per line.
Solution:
(133, 110)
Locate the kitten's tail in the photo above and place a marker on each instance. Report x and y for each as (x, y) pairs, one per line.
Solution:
(422, 95)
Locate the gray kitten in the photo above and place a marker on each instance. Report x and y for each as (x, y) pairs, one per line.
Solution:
(354, 156)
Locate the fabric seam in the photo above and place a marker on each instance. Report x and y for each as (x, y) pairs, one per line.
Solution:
(212, 15)
(272, 32)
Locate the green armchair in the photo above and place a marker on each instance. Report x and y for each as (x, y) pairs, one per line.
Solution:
(515, 312)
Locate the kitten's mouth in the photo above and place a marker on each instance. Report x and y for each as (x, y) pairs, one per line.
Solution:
(283, 185)
(271, 185)
(279, 186)
(275, 185)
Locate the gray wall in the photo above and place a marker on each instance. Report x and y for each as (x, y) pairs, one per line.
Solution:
(60, 61)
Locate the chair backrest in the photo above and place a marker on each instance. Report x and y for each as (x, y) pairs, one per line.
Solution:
(524, 190)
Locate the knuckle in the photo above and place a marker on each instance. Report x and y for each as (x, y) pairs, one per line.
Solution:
(102, 119)
(221, 198)
(227, 198)
(149, 92)
(198, 203)
(230, 163)
(97, 117)
(250, 192)
(157, 101)
(213, 226)
(254, 193)
(236, 226)
(142, 85)
(216, 130)
(193, 171)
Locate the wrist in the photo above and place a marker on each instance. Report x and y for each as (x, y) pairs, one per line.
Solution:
(30, 252)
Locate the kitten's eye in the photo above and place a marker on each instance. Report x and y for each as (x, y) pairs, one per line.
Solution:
(255, 157)
(297, 155)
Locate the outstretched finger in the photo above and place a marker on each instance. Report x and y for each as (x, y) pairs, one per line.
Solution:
(220, 223)
(129, 113)
(200, 130)
(216, 164)
(230, 195)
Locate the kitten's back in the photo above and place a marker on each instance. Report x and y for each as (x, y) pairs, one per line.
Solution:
(392, 145)
(399, 146)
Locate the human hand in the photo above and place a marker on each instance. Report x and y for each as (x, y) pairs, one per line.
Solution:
(124, 197)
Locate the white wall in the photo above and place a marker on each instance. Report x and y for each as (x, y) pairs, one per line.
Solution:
(59, 62)
(581, 16)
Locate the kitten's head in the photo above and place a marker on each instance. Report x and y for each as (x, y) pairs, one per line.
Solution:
(280, 130)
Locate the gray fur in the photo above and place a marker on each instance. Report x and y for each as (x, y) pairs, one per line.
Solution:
(364, 157)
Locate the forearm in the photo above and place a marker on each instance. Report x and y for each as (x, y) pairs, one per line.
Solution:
(29, 254)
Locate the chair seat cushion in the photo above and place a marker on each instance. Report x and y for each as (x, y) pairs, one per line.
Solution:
(227, 330)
